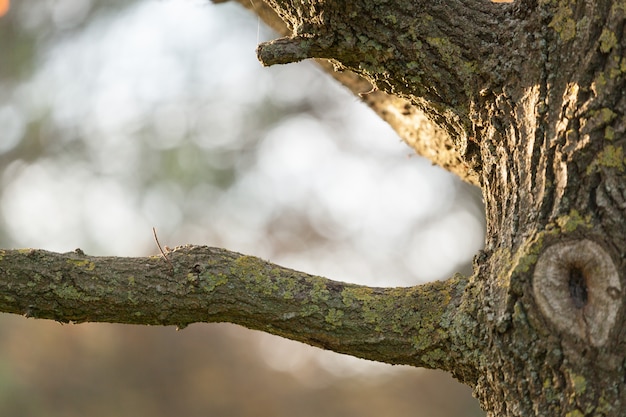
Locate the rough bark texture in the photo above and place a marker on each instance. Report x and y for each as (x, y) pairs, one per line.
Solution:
(202, 284)
(531, 100)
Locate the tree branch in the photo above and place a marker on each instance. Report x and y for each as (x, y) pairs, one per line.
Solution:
(394, 325)
(407, 118)
(433, 53)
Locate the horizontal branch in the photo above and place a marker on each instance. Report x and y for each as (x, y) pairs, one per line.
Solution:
(202, 284)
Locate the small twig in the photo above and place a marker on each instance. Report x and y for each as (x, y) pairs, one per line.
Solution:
(156, 239)
(372, 90)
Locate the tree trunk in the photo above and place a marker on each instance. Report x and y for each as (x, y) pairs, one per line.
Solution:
(552, 137)
(528, 100)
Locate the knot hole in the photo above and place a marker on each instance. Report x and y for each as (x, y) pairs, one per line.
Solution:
(577, 286)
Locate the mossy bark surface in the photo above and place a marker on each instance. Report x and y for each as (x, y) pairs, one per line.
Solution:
(202, 284)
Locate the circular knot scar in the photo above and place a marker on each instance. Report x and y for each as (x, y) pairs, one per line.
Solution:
(577, 288)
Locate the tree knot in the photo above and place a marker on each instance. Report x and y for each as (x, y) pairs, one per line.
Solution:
(577, 288)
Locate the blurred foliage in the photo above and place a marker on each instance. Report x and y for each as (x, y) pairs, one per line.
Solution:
(105, 370)
(109, 127)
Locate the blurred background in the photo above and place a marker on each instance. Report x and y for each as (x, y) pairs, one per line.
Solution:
(119, 116)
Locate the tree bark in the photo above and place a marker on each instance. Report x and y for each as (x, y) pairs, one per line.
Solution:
(530, 99)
